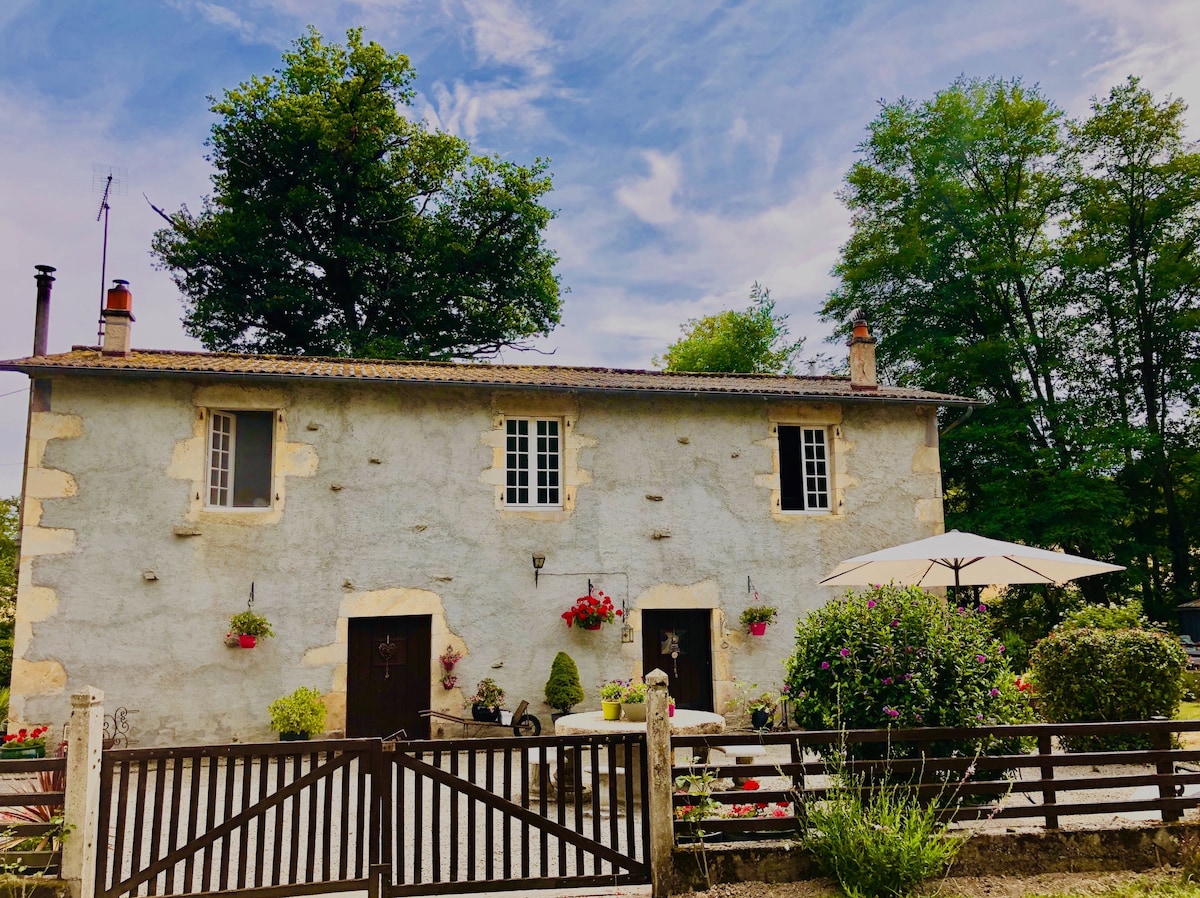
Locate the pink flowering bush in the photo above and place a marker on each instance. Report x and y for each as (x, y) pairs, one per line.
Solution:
(900, 657)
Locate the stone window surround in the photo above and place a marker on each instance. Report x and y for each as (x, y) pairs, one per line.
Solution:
(837, 449)
(526, 405)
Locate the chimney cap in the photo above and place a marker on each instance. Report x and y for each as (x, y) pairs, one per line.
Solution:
(45, 269)
(120, 284)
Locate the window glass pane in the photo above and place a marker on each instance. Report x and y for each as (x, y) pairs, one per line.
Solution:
(791, 480)
(254, 437)
(532, 460)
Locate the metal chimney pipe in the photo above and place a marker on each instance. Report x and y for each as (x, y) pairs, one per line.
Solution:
(41, 321)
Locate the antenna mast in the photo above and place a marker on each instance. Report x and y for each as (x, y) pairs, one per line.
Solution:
(110, 180)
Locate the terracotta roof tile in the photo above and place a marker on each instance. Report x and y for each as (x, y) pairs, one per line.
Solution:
(146, 362)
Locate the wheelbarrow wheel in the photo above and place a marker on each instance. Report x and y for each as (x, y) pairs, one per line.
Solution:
(528, 725)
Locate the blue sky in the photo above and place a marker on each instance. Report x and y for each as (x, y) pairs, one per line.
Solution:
(696, 146)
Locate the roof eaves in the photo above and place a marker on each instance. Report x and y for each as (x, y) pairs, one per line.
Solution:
(29, 367)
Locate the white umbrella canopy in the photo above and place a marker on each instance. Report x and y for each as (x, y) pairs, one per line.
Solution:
(964, 559)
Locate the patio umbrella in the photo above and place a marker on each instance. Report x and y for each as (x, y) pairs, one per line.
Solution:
(964, 559)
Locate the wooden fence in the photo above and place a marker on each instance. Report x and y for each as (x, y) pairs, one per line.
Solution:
(31, 811)
(973, 774)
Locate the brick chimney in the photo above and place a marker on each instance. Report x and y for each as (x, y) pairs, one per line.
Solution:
(862, 357)
(118, 315)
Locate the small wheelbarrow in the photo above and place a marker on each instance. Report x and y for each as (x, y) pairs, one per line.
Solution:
(521, 723)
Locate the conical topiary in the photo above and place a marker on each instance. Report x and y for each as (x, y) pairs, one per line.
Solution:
(563, 689)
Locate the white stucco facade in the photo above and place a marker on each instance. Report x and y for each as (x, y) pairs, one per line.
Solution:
(388, 501)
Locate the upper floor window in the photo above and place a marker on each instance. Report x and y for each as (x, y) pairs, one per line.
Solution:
(533, 462)
(803, 469)
(240, 449)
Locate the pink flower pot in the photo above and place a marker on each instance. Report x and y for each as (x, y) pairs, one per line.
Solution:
(247, 641)
(758, 628)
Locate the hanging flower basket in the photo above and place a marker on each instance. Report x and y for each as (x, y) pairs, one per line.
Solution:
(756, 617)
(591, 612)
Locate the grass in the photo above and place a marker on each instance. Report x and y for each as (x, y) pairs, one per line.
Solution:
(1176, 888)
(1188, 711)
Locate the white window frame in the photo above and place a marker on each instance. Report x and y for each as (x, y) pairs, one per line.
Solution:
(224, 460)
(816, 470)
(525, 459)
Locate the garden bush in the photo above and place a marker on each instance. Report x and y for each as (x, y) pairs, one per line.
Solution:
(563, 689)
(902, 657)
(1089, 674)
(1113, 616)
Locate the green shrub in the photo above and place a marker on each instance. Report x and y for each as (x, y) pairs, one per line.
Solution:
(301, 712)
(563, 689)
(1089, 675)
(895, 656)
(1112, 616)
(878, 843)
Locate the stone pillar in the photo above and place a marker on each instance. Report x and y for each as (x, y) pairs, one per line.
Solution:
(658, 785)
(82, 802)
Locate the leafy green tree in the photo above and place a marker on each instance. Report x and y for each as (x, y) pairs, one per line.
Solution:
(1050, 268)
(9, 526)
(339, 226)
(1132, 258)
(753, 341)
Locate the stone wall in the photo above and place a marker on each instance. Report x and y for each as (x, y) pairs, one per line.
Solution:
(387, 501)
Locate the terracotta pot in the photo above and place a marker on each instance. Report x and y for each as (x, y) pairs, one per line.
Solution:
(612, 710)
(246, 641)
(758, 628)
(635, 712)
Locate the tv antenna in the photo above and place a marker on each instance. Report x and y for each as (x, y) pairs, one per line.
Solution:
(110, 181)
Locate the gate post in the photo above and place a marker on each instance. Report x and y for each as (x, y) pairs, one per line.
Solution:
(81, 800)
(661, 842)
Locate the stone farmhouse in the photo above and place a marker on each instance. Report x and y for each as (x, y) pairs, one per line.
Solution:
(386, 510)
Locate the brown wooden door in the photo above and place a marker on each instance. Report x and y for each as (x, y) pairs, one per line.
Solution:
(387, 683)
(687, 631)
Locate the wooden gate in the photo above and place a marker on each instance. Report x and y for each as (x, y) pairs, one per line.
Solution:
(409, 818)
(476, 815)
(277, 819)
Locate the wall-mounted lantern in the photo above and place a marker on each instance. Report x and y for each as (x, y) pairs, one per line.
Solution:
(539, 561)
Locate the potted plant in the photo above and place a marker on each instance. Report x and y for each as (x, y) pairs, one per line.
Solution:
(633, 701)
(449, 681)
(591, 611)
(762, 710)
(563, 689)
(25, 743)
(610, 699)
(756, 617)
(485, 703)
(299, 715)
(449, 658)
(249, 628)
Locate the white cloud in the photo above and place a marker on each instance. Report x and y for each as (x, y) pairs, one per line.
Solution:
(1154, 40)
(652, 198)
(467, 110)
(504, 34)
